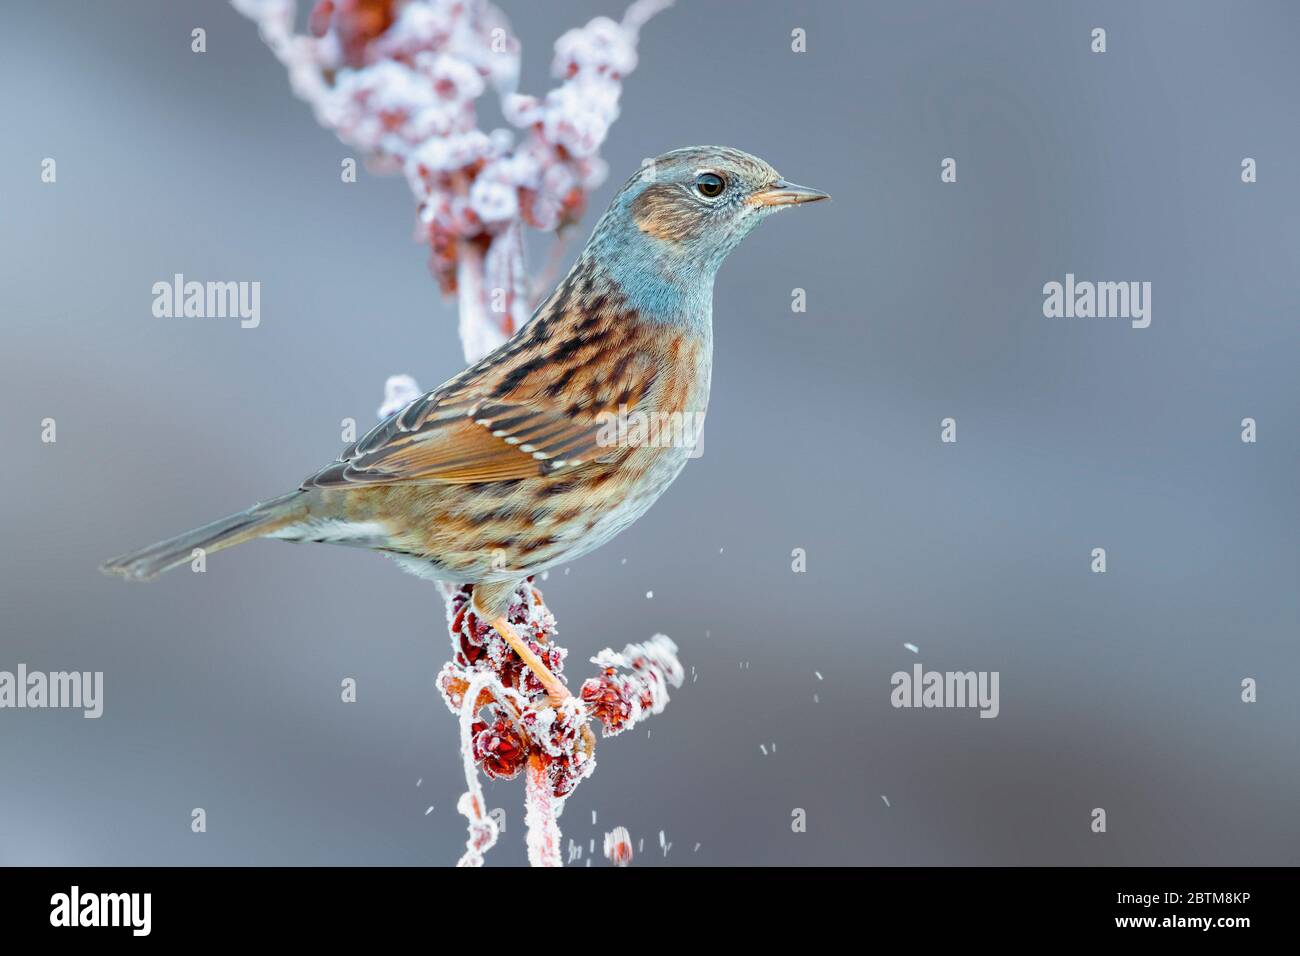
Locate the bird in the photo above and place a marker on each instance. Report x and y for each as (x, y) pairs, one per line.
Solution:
(516, 464)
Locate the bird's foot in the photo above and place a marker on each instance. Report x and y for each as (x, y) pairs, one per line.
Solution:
(556, 692)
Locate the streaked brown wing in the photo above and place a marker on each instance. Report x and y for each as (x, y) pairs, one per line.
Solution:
(462, 433)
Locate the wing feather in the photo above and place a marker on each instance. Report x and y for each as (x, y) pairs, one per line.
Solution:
(463, 433)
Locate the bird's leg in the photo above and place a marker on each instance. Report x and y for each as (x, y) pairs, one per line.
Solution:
(490, 602)
(556, 692)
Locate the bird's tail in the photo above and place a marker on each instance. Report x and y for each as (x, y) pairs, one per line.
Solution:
(227, 532)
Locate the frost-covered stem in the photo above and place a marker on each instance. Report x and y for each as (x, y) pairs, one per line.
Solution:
(477, 335)
(492, 291)
(541, 813)
(482, 828)
(506, 277)
(549, 273)
(635, 17)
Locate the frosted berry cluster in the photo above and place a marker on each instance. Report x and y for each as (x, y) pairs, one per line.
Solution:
(511, 726)
(399, 80)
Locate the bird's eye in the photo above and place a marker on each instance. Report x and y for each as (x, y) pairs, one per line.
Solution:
(710, 185)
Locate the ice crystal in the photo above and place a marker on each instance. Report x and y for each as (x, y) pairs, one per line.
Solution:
(618, 846)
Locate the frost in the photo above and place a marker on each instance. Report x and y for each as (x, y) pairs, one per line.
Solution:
(494, 200)
(540, 817)
(510, 726)
(399, 391)
(482, 828)
(621, 700)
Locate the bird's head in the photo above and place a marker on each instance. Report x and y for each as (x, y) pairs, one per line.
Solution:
(683, 212)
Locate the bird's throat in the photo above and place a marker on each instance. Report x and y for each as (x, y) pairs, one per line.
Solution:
(655, 287)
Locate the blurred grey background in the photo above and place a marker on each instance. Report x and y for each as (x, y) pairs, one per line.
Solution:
(1119, 691)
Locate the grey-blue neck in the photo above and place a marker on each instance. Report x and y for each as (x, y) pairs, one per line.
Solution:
(669, 281)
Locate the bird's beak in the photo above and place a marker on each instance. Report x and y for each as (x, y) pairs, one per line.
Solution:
(781, 193)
